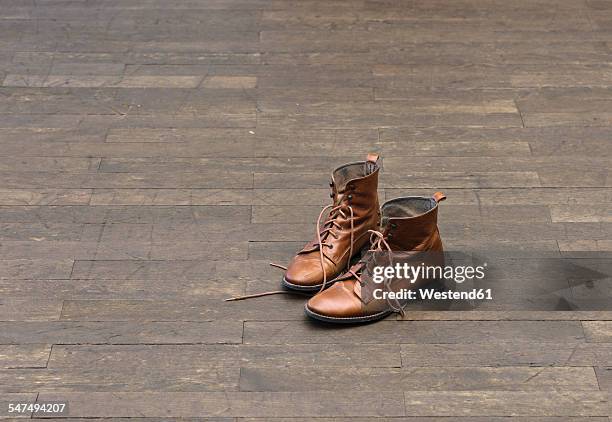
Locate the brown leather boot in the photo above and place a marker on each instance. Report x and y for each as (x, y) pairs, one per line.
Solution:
(408, 224)
(353, 212)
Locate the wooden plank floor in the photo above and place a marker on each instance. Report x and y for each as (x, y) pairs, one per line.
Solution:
(155, 155)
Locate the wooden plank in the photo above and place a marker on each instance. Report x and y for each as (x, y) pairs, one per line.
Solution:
(143, 332)
(321, 164)
(394, 13)
(41, 135)
(601, 118)
(73, 95)
(40, 180)
(604, 377)
(40, 232)
(455, 418)
(214, 232)
(209, 196)
(483, 162)
(119, 250)
(372, 114)
(27, 269)
(414, 378)
(595, 354)
(22, 397)
(207, 378)
(45, 196)
(230, 82)
(415, 332)
(50, 164)
(189, 356)
(573, 214)
(267, 308)
(279, 142)
(157, 289)
(563, 141)
(65, 214)
(552, 314)
(511, 403)
(238, 404)
(356, 40)
(504, 354)
(24, 356)
(568, 247)
(161, 419)
(598, 331)
(87, 81)
(29, 309)
(184, 270)
(453, 52)
(209, 117)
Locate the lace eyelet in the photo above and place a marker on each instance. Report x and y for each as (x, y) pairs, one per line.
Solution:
(350, 197)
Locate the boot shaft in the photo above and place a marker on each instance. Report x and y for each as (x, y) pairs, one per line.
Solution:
(356, 184)
(411, 223)
(353, 212)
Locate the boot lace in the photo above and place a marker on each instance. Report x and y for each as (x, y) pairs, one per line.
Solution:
(323, 232)
(328, 230)
(377, 243)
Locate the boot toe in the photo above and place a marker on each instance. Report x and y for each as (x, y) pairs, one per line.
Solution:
(305, 271)
(336, 302)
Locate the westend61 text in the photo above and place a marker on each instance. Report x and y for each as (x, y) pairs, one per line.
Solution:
(433, 294)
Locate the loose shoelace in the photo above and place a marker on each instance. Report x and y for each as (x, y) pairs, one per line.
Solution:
(322, 232)
(377, 241)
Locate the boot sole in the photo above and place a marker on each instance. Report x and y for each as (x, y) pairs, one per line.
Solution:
(347, 320)
(357, 320)
(315, 288)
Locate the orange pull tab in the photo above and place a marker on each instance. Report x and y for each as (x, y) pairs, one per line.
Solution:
(439, 197)
(370, 164)
(372, 157)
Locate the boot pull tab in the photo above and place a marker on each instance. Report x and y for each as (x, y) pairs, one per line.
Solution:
(371, 162)
(439, 197)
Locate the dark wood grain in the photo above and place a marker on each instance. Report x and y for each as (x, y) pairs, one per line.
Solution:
(157, 155)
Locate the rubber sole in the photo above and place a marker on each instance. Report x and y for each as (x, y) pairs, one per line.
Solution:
(360, 320)
(349, 320)
(300, 288)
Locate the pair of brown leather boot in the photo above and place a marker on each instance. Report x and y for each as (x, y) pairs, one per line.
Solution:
(355, 223)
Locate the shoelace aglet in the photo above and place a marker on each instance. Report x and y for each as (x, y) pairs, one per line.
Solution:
(282, 267)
